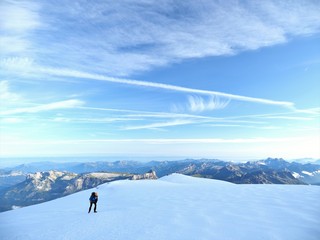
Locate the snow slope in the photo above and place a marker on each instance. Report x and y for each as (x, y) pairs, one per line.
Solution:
(173, 207)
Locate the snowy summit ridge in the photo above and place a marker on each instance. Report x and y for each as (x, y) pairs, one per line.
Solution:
(173, 207)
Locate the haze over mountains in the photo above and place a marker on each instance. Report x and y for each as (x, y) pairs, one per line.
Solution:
(29, 184)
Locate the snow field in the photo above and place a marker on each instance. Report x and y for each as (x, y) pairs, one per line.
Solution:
(173, 207)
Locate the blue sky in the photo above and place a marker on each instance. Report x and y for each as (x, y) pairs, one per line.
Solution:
(235, 80)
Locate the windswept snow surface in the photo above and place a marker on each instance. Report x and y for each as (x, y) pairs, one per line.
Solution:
(173, 207)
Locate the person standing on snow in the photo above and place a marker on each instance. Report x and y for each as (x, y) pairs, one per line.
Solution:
(93, 200)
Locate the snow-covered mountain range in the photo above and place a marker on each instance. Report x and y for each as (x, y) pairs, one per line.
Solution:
(216, 169)
(31, 188)
(174, 207)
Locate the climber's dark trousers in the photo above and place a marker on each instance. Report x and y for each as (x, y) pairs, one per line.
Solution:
(95, 206)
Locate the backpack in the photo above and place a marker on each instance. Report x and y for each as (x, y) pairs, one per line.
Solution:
(93, 198)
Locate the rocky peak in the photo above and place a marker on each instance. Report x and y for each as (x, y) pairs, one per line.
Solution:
(52, 175)
(148, 175)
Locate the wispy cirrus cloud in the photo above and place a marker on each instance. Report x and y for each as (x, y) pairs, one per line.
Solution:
(123, 38)
(73, 103)
(291, 118)
(158, 125)
(199, 104)
(157, 34)
(19, 16)
(18, 19)
(214, 94)
(142, 35)
(313, 111)
(195, 103)
(22, 64)
(243, 126)
(13, 44)
(300, 114)
(6, 95)
(95, 120)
